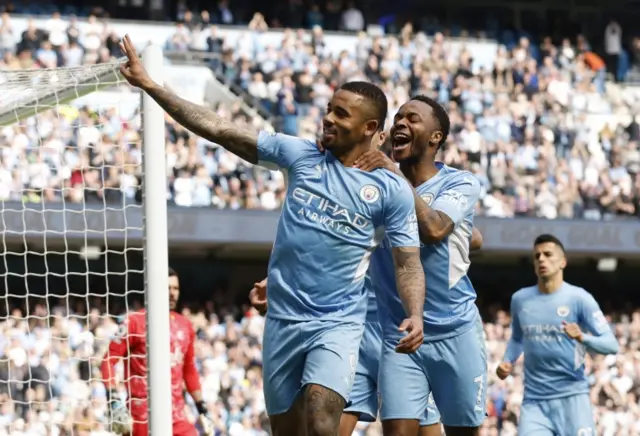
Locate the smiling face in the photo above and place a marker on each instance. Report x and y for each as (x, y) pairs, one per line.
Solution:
(349, 121)
(415, 130)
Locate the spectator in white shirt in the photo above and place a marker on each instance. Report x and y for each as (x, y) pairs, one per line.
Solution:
(57, 29)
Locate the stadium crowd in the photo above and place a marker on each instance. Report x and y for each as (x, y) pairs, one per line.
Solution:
(51, 364)
(545, 132)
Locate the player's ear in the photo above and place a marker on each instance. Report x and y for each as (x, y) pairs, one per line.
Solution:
(435, 137)
(371, 128)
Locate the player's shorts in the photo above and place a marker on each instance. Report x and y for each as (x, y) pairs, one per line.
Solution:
(560, 416)
(298, 353)
(454, 370)
(431, 415)
(140, 415)
(364, 394)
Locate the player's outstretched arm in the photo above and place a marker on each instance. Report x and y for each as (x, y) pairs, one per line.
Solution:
(200, 120)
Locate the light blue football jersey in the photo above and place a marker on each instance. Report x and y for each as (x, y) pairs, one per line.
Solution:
(450, 297)
(332, 220)
(553, 362)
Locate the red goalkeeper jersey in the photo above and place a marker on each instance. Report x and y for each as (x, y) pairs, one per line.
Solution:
(131, 345)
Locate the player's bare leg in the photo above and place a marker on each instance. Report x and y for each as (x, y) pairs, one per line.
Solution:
(461, 431)
(431, 430)
(323, 410)
(400, 427)
(348, 423)
(290, 422)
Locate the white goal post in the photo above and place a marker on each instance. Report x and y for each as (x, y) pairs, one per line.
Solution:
(71, 245)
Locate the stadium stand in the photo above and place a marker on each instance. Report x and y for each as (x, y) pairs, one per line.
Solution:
(544, 129)
(51, 383)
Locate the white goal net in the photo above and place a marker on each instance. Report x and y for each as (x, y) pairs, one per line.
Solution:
(71, 242)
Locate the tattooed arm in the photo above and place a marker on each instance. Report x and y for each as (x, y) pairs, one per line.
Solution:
(206, 123)
(455, 202)
(433, 225)
(410, 280)
(198, 119)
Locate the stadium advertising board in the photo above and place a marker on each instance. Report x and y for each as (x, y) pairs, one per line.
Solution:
(190, 227)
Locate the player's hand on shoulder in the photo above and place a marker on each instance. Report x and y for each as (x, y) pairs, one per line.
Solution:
(504, 370)
(258, 296)
(572, 330)
(120, 419)
(374, 159)
(414, 335)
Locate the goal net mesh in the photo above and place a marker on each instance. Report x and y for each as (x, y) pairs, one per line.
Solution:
(71, 248)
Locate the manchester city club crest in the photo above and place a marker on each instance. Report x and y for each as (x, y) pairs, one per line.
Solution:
(369, 193)
(427, 198)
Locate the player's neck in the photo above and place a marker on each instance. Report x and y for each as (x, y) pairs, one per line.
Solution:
(419, 171)
(348, 157)
(552, 285)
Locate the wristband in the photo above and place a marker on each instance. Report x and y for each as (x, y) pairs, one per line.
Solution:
(202, 408)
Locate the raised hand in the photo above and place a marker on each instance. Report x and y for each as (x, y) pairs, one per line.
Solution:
(133, 70)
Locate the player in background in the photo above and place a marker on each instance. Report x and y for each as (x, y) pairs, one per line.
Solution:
(334, 216)
(364, 403)
(130, 346)
(452, 362)
(554, 324)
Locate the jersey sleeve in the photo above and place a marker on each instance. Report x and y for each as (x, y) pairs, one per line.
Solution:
(118, 349)
(514, 346)
(399, 217)
(458, 198)
(600, 337)
(190, 371)
(278, 151)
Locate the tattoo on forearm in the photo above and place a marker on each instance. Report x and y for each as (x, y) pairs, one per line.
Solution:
(432, 224)
(206, 123)
(410, 279)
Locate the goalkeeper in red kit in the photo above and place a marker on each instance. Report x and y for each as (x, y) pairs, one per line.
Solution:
(130, 345)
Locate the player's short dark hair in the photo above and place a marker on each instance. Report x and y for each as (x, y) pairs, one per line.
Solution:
(440, 113)
(548, 238)
(173, 272)
(374, 94)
